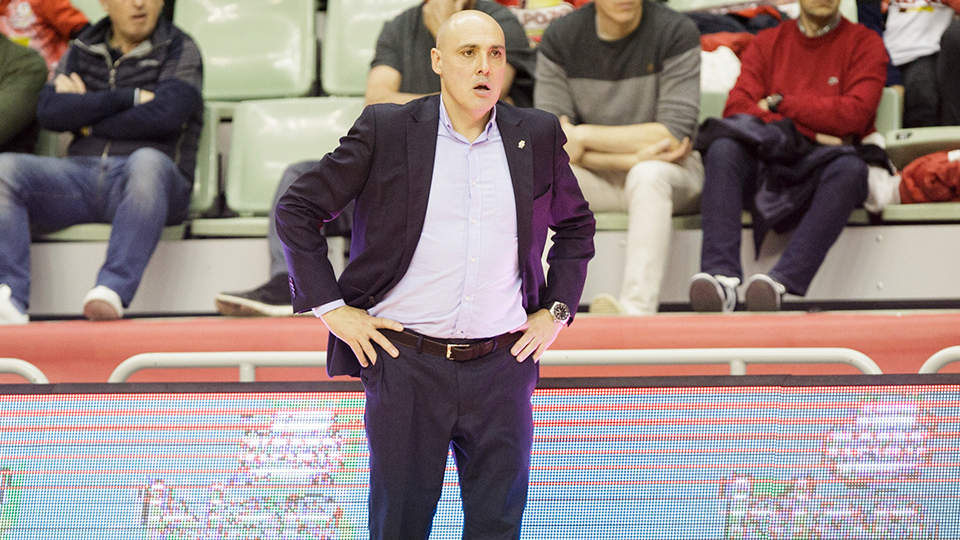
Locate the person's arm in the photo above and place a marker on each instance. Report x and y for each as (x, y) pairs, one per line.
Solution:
(72, 111)
(61, 15)
(20, 86)
(574, 227)
(383, 86)
(678, 84)
(171, 104)
(752, 85)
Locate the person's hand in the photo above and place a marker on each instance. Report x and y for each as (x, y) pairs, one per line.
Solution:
(831, 140)
(539, 332)
(146, 96)
(574, 148)
(437, 11)
(71, 84)
(764, 106)
(666, 150)
(356, 328)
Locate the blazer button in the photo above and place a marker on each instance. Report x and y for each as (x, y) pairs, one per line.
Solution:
(293, 289)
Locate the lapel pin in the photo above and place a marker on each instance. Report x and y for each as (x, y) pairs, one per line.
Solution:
(522, 144)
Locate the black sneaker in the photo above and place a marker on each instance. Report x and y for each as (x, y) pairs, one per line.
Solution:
(272, 299)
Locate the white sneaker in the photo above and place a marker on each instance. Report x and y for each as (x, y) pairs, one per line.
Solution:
(102, 304)
(606, 304)
(713, 293)
(9, 312)
(764, 293)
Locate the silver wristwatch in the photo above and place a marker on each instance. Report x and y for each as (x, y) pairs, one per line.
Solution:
(560, 312)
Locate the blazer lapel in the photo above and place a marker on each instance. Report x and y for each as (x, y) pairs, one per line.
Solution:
(421, 135)
(518, 147)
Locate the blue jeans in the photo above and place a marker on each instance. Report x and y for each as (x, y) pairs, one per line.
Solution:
(730, 184)
(139, 195)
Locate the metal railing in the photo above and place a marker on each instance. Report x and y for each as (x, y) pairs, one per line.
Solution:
(248, 362)
(738, 359)
(23, 368)
(940, 359)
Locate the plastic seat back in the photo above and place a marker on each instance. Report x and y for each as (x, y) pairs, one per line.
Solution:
(350, 42)
(253, 49)
(91, 8)
(269, 135)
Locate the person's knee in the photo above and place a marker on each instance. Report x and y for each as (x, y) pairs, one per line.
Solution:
(651, 178)
(10, 165)
(149, 171)
(848, 175)
(724, 149)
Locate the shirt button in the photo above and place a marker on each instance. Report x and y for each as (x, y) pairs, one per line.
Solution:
(468, 298)
(473, 259)
(473, 221)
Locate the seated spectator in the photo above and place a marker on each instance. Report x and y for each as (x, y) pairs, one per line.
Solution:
(47, 26)
(400, 71)
(22, 75)
(624, 78)
(923, 40)
(129, 90)
(807, 90)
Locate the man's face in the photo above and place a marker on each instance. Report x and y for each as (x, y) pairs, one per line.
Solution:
(133, 20)
(471, 59)
(620, 12)
(820, 10)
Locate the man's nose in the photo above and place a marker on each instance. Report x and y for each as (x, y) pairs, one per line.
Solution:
(484, 65)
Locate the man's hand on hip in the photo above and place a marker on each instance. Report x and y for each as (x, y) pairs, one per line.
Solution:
(539, 332)
(357, 328)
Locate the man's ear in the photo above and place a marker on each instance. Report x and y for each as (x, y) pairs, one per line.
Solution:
(434, 59)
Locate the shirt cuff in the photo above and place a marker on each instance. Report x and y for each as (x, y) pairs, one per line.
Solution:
(319, 311)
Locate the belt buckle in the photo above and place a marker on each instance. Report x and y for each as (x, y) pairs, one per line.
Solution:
(454, 347)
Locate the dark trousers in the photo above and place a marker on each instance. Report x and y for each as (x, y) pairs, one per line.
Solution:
(729, 187)
(418, 405)
(931, 94)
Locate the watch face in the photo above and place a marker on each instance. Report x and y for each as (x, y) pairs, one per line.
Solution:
(560, 312)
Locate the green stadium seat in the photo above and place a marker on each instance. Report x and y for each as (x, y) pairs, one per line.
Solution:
(254, 49)
(353, 27)
(268, 136)
(91, 8)
(906, 145)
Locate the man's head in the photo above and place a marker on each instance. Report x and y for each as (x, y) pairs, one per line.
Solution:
(133, 21)
(819, 12)
(617, 18)
(470, 58)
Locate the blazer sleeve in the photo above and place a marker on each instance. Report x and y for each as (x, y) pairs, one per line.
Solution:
(573, 225)
(315, 198)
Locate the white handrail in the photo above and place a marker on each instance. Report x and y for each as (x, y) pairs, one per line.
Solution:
(23, 368)
(940, 359)
(248, 362)
(736, 358)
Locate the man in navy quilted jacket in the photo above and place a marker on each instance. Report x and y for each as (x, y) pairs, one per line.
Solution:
(129, 90)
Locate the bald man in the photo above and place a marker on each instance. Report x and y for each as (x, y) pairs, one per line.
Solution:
(444, 309)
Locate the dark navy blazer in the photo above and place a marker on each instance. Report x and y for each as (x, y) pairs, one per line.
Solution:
(385, 164)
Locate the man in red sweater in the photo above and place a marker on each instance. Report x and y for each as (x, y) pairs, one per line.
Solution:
(808, 91)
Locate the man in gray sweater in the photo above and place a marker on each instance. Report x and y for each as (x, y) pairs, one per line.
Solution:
(624, 78)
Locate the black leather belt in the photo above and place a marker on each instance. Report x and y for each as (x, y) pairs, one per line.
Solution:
(458, 350)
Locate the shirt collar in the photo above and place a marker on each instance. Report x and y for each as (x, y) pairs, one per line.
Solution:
(446, 125)
(833, 24)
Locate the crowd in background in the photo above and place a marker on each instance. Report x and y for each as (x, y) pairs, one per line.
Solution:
(625, 79)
